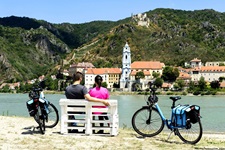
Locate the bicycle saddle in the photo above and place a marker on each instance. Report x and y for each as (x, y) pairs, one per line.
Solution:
(175, 98)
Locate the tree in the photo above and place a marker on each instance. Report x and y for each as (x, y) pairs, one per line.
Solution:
(180, 84)
(191, 86)
(202, 83)
(176, 86)
(104, 84)
(139, 75)
(221, 79)
(170, 74)
(215, 84)
(155, 74)
(115, 85)
(158, 82)
(5, 89)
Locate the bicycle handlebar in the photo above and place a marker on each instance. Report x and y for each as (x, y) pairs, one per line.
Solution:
(37, 89)
(152, 86)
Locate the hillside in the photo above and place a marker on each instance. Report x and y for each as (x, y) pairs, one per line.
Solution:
(172, 36)
(31, 47)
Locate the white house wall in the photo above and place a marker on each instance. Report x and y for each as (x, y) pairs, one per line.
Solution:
(90, 79)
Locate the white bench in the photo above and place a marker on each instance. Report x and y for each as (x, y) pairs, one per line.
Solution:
(77, 117)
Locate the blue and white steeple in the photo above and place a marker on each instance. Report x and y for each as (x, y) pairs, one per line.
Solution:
(126, 67)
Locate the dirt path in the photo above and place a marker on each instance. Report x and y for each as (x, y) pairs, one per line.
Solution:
(16, 134)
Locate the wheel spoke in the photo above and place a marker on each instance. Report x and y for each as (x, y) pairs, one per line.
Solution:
(191, 135)
(144, 127)
(53, 116)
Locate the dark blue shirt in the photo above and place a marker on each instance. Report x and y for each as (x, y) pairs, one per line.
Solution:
(76, 91)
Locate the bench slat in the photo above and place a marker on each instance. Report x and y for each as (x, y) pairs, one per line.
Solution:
(74, 107)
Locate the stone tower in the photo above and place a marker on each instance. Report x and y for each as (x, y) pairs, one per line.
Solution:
(126, 67)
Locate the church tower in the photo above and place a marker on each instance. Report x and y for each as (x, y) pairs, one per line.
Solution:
(126, 67)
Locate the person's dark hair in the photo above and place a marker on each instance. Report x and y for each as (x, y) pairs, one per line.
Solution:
(77, 76)
(98, 80)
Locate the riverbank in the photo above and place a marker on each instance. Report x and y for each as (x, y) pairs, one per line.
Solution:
(140, 93)
(16, 134)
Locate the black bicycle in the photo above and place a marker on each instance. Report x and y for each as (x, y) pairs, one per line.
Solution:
(43, 111)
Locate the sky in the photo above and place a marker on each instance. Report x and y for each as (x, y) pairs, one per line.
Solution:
(82, 11)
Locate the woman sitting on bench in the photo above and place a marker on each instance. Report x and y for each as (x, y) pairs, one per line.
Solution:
(99, 92)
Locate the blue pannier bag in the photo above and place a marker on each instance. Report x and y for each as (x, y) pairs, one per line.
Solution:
(180, 115)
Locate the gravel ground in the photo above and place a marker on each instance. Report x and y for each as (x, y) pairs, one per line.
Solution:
(17, 134)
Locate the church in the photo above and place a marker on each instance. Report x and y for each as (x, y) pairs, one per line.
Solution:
(129, 70)
(124, 78)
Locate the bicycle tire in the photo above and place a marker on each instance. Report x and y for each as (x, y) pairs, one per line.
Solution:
(39, 118)
(191, 134)
(144, 127)
(53, 116)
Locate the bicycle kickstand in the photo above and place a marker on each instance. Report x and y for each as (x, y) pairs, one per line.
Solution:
(169, 135)
(35, 128)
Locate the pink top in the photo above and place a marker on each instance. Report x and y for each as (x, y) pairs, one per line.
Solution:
(101, 93)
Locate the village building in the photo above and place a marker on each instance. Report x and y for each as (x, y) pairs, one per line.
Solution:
(185, 77)
(148, 68)
(194, 63)
(218, 63)
(211, 72)
(12, 86)
(109, 75)
(80, 67)
(166, 86)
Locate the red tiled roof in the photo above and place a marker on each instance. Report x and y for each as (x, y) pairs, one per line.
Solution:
(222, 84)
(184, 75)
(213, 68)
(98, 71)
(147, 65)
(146, 73)
(166, 85)
(83, 65)
(133, 73)
(195, 60)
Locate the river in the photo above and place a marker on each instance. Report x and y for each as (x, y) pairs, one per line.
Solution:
(212, 107)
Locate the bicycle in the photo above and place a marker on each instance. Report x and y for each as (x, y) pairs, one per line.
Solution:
(149, 120)
(43, 111)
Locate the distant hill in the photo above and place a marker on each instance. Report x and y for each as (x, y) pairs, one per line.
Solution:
(31, 47)
(172, 36)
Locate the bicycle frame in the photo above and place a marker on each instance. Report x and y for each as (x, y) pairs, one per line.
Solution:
(167, 122)
(43, 100)
(149, 120)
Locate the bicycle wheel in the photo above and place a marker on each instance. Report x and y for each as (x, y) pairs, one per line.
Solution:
(147, 123)
(192, 133)
(39, 118)
(53, 116)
